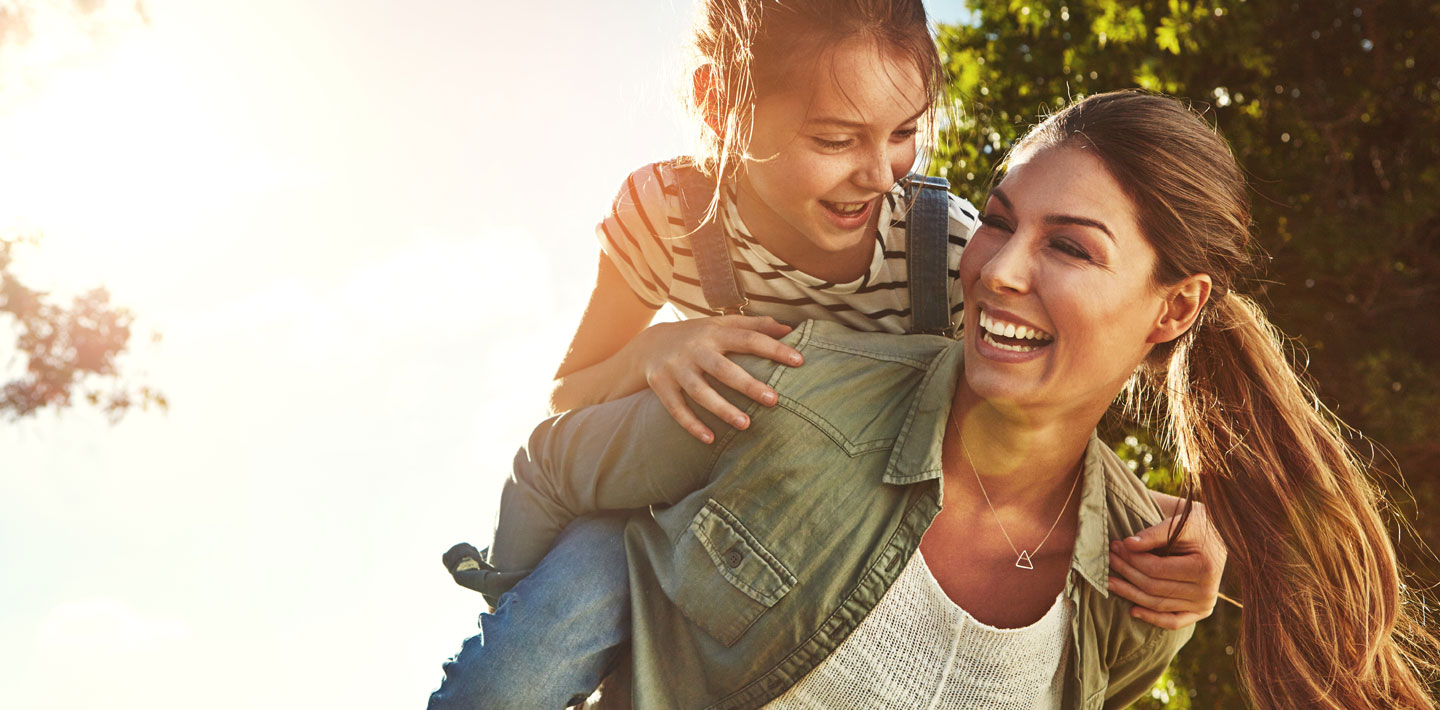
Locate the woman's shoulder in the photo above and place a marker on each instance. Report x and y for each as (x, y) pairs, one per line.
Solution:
(1128, 500)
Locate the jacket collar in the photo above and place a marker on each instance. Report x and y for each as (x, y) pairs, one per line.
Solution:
(916, 457)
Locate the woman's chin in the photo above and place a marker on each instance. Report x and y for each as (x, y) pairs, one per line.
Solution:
(999, 388)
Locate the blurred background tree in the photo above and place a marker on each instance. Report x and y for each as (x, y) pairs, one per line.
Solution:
(65, 353)
(1333, 109)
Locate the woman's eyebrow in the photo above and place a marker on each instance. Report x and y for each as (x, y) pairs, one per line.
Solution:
(1000, 197)
(1081, 222)
(846, 123)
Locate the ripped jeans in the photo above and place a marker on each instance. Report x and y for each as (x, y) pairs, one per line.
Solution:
(555, 634)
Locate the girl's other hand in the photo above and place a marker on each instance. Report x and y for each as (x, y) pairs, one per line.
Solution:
(676, 357)
(1178, 588)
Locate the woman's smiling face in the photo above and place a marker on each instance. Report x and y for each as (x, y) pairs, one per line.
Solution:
(1060, 302)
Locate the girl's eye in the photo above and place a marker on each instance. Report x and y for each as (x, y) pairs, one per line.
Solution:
(1069, 248)
(832, 145)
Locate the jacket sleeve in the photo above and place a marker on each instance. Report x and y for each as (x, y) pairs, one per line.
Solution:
(1139, 666)
(628, 453)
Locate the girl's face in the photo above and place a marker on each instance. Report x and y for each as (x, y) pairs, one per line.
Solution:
(822, 154)
(1060, 304)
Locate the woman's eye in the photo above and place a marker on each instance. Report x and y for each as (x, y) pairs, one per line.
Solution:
(905, 134)
(1069, 248)
(832, 144)
(994, 222)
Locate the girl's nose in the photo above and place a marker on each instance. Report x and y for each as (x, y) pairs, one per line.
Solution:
(874, 173)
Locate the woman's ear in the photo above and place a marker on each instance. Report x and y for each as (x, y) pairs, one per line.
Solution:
(706, 85)
(1183, 302)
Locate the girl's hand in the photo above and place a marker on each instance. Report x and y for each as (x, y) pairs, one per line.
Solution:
(1179, 588)
(675, 357)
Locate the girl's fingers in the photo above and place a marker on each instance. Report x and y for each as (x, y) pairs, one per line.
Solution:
(1174, 622)
(738, 379)
(669, 394)
(1156, 536)
(1188, 568)
(774, 328)
(1180, 592)
(1160, 605)
(756, 343)
(763, 324)
(706, 396)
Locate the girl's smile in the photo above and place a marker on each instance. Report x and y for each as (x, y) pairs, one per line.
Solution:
(825, 152)
(849, 216)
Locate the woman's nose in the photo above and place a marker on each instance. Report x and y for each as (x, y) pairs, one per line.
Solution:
(1008, 268)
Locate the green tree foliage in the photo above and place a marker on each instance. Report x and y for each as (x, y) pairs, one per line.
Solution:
(1333, 108)
(65, 352)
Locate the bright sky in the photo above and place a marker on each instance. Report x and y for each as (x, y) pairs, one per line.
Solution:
(364, 229)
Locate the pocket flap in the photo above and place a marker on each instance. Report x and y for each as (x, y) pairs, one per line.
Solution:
(739, 557)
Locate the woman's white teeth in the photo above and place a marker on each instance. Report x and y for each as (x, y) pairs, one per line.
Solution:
(846, 208)
(994, 326)
(990, 338)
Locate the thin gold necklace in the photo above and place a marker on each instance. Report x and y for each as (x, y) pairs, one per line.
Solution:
(1022, 557)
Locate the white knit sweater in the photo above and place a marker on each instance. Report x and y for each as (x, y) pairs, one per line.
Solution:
(918, 649)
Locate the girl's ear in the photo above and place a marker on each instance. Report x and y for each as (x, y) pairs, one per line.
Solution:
(1183, 302)
(706, 85)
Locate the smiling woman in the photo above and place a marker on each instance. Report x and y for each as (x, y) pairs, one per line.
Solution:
(1064, 261)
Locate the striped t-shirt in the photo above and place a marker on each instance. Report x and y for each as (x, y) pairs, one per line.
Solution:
(644, 237)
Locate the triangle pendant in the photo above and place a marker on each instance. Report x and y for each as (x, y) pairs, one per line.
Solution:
(1024, 561)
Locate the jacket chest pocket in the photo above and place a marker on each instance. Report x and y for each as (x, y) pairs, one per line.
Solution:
(729, 579)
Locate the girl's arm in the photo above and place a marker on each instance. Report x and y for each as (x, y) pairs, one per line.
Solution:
(1179, 587)
(623, 454)
(614, 354)
(590, 372)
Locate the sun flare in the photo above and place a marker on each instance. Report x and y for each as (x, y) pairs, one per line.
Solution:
(102, 152)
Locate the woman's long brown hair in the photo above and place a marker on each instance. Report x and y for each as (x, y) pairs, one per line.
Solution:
(1327, 623)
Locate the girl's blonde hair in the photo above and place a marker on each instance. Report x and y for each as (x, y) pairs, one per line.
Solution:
(750, 49)
(1326, 622)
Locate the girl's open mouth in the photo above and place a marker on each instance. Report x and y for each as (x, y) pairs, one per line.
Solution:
(848, 215)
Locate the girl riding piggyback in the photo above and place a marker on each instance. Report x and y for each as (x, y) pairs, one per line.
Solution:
(800, 203)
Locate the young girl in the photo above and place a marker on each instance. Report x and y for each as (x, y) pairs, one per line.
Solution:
(812, 111)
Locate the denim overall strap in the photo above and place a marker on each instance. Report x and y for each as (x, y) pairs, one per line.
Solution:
(708, 242)
(927, 243)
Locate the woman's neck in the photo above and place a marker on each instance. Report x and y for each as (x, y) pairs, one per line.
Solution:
(1019, 455)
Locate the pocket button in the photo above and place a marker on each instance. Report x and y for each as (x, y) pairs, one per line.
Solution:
(732, 557)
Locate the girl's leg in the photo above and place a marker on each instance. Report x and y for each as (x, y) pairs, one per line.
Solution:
(555, 634)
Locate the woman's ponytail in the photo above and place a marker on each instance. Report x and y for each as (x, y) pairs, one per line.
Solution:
(1324, 624)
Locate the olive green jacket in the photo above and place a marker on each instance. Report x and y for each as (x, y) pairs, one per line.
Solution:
(760, 553)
